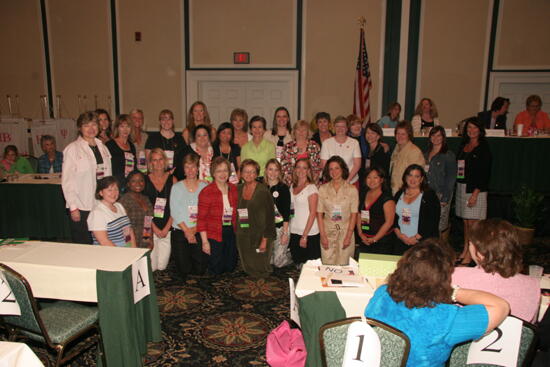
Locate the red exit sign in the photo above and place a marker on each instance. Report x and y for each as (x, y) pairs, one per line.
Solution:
(241, 57)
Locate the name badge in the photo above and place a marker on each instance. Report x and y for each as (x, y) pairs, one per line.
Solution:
(129, 160)
(406, 216)
(127, 237)
(365, 220)
(279, 152)
(234, 179)
(426, 168)
(100, 171)
(193, 213)
(367, 163)
(227, 216)
(142, 163)
(243, 218)
(158, 210)
(278, 216)
(336, 213)
(170, 156)
(291, 209)
(461, 168)
(147, 227)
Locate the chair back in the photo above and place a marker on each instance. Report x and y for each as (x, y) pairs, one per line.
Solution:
(459, 355)
(332, 336)
(29, 320)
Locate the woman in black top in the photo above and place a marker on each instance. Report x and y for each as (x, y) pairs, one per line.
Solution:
(377, 213)
(281, 197)
(473, 174)
(375, 154)
(166, 139)
(415, 221)
(322, 127)
(123, 151)
(158, 185)
(224, 147)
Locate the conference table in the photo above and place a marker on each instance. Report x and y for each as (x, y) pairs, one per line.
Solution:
(18, 355)
(98, 274)
(515, 161)
(33, 206)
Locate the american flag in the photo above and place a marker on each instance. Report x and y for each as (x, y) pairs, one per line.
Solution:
(363, 83)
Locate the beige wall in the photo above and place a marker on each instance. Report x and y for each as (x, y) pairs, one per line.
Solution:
(332, 45)
(22, 62)
(81, 53)
(452, 56)
(265, 28)
(151, 71)
(523, 34)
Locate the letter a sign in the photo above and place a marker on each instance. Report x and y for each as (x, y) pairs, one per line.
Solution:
(140, 279)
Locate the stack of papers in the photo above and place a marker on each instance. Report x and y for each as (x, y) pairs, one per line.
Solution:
(340, 276)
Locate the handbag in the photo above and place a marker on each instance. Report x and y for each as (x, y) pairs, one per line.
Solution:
(285, 347)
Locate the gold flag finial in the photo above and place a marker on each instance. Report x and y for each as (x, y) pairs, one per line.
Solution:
(362, 22)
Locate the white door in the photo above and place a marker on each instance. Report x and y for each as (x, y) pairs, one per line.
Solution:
(257, 94)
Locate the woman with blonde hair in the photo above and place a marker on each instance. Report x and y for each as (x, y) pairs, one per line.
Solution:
(166, 139)
(158, 185)
(281, 197)
(425, 116)
(301, 147)
(304, 237)
(197, 115)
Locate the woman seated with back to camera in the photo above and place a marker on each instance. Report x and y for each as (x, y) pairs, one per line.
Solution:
(418, 300)
(495, 248)
(376, 214)
(417, 210)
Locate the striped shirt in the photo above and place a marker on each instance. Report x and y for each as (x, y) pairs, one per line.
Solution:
(117, 225)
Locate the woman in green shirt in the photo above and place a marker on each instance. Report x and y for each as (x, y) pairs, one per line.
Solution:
(12, 163)
(258, 149)
(256, 222)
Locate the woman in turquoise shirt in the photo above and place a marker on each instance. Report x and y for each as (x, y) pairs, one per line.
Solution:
(419, 300)
(390, 119)
(184, 200)
(12, 163)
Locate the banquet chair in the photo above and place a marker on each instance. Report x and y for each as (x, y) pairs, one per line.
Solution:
(395, 344)
(57, 325)
(527, 347)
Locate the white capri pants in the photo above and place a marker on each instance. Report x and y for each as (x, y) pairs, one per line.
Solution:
(161, 252)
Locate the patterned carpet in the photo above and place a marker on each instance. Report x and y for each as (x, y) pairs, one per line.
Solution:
(213, 321)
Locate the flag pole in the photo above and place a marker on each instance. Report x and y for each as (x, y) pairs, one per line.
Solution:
(362, 21)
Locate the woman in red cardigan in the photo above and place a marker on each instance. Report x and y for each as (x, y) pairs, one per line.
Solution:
(217, 218)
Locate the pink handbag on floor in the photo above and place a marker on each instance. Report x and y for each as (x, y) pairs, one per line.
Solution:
(285, 347)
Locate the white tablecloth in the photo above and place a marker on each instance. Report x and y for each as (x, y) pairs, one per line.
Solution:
(66, 271)
(353, 300)
(17, 355)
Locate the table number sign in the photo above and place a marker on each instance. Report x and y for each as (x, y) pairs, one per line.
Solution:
(294, 310)
(495, 132)
(140, 279)
(8, 303)
(500, 347)
(362, 346)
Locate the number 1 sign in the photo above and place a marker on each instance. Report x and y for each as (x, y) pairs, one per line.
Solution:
(500, 347)
(362, 346)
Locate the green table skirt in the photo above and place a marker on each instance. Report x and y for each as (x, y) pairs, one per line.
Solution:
(33, 210)
(126, 327)
(516, 161)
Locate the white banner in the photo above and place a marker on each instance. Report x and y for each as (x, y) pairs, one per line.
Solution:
(14, 132)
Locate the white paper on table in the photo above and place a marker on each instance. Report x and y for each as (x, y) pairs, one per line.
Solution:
(140, 279)
(363, 347)
(294, 310)
(494, 132)
(449, 132)
(500, 347)
(8, 303)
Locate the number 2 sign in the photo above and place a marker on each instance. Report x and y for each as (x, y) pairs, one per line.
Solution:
(500, 347)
